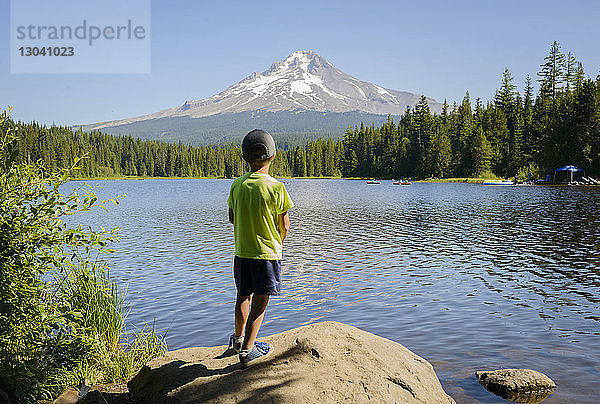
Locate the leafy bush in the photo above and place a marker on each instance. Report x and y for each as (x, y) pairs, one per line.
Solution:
(487, 174)
(530, 171)
(61, 317)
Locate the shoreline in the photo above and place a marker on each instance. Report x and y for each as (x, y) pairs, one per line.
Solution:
(444, 180)
(421, 181)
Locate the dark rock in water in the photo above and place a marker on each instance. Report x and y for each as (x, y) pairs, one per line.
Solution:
(518, 385)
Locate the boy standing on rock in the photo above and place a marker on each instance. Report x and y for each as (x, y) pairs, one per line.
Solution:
(258, 210)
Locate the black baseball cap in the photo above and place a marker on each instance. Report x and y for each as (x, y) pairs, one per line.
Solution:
(258, 145)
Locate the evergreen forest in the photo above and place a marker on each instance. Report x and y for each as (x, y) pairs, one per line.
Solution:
(527, 133)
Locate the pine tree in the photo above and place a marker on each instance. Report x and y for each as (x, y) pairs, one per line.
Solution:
(570, 71)
(481, 151)
(579, 76)
(515, 152)
(505, 95)
(300, 169)
(529, 142)
(439, 155)
(463, 136)
(444, 114)
(552, 73)
(422, 127)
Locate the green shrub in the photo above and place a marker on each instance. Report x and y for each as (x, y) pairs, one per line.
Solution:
(61, 317)
(488, 175)
(530, 171)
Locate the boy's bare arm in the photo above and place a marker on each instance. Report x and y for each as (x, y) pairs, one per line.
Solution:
(230, 215)
(284, 225)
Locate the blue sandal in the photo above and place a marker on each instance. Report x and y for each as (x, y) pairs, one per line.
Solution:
(259, 350)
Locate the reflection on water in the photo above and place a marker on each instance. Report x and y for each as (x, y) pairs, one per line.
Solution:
(469, 277)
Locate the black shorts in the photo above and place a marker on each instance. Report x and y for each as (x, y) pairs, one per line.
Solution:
(262, 277)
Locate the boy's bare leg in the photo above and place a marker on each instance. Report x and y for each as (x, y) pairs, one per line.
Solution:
(242, 309)
(257, 313)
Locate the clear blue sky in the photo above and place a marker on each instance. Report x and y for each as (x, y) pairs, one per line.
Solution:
(438, 48)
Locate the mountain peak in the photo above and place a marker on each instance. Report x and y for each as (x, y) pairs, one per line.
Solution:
(302, 81)
(304, 56)
(304, 59)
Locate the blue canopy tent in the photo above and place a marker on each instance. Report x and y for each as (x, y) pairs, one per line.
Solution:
(569, 170)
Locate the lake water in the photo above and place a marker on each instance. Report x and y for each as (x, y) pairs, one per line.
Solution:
(469, 277)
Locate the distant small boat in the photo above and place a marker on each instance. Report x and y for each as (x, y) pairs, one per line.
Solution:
(498, 182)
(373, 182)
(402, 183)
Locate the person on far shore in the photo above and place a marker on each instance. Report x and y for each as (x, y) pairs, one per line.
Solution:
(258, 210)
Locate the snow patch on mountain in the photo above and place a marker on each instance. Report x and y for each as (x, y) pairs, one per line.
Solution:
(301, 87)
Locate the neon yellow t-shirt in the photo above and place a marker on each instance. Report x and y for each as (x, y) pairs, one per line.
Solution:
(257, 200)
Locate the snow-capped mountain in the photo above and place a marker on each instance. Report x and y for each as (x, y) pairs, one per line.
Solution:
(304, 81)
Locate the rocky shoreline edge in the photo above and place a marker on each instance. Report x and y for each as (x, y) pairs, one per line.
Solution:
(327, 362)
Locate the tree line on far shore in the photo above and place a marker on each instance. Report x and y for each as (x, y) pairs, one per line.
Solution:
(515, 134)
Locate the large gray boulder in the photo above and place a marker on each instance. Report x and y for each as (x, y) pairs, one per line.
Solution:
(326, 362)
(520, 385)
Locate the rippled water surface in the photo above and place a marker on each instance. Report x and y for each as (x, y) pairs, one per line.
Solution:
(469, 277)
